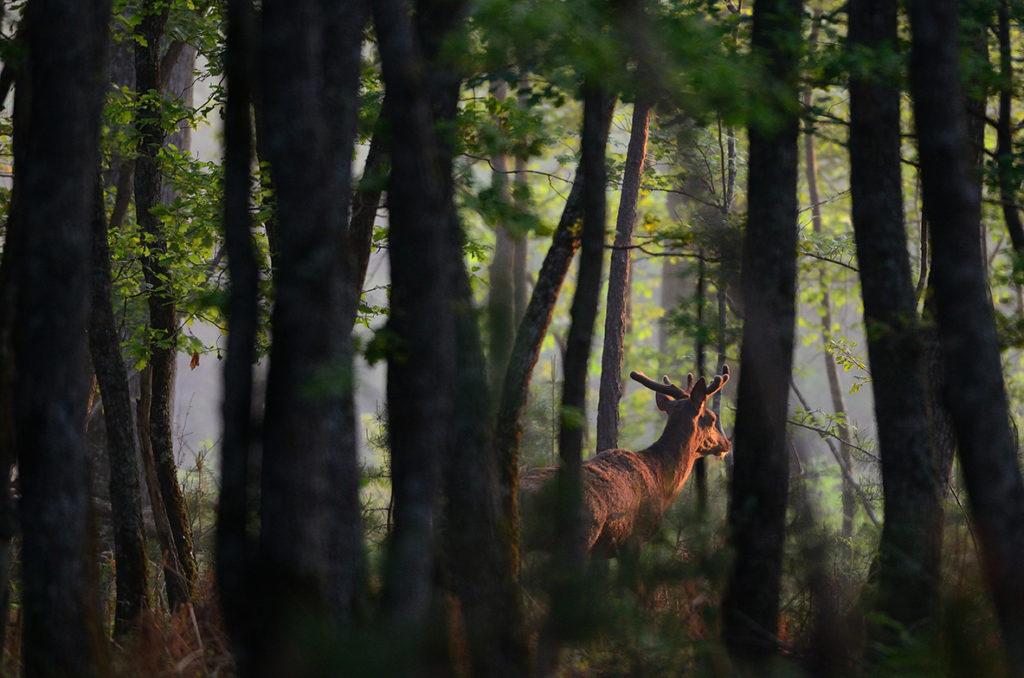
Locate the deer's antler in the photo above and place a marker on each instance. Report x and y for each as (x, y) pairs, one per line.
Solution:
(668, 388)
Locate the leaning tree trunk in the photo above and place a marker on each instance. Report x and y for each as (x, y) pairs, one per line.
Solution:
(162, 313)
(529, 337)
(618, 282)
(132, 592)
(912, 532)
(1005, 163)
(56, 155)
(975, 393)
(757, 506)
(571, 554)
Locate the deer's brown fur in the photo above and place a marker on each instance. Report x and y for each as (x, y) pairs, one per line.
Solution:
(625, 493)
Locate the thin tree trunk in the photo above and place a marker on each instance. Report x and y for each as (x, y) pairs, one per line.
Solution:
(912, 532)
(529, 337)
(835, 387)
(174, 578)
(162, 313)
(975, 392)
(618, 281)
(1004, 134)
(757, 506)
(56, 153)
(367, 195)
(567, 591)
(501, 300)
(122, 441)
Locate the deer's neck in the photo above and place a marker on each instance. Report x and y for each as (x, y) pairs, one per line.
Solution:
(671, 458)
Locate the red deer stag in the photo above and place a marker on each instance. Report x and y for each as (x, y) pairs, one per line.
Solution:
(625, 493)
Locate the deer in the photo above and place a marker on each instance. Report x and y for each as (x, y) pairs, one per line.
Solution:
(626, 493)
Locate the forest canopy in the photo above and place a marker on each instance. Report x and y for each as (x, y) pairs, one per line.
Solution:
(428, 253)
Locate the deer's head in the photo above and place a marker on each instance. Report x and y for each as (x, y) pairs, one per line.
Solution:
(691, 420)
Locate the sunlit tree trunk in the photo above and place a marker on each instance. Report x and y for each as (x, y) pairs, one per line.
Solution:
(571, 555)
(618, 282)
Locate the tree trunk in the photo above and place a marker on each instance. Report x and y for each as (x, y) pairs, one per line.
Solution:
(618, 282)
(912, 532)
(529, 337)
(174, 578)
(1004, 134)
(311, 549)
(56, 155)
(757, 506)
(421, 377)
(835, 388)
(122, 443)
(501, 300)
(571, 555)
(235, 550)
(975, 393)
(162, 313)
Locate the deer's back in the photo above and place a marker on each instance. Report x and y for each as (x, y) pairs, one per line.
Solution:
(621, 502)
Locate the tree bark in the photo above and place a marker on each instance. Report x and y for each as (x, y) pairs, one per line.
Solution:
(571, 555)
(912, 532)
(235, 550)
(174, 578)
(618, 282)
(975, 393)
(421, 373)
(757, 506)
(132, 593)
(501, 300)
(835, 388)
(56, 155)
(311, 550)
(1004, 134)
(162, 313)
(529, 337)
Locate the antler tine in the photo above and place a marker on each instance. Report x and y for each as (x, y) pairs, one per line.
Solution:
(668, 389)
(719, 381)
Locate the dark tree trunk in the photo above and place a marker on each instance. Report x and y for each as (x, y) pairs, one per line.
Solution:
(367, 194)
(311, 547)
(122, 441)
(56, 155)
(912, 532)
(162, 313)
(421, 373)
(1004, 134)
(174, 578)
(234, 550)
(529, 337)
(757, 506)
(975, 393)
(571, 555)
(477, 558)
(618, 282)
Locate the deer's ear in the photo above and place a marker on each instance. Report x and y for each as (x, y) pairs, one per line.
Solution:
(663, 401)
(699, 392)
